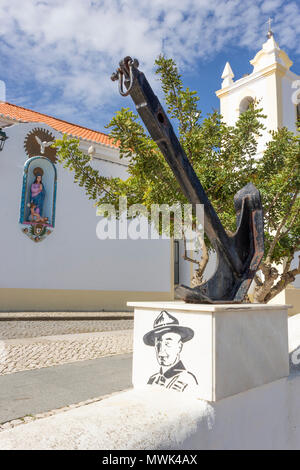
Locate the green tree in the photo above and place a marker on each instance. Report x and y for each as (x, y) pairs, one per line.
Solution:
(224, 159)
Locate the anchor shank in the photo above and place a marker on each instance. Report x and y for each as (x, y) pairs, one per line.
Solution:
(161, 131)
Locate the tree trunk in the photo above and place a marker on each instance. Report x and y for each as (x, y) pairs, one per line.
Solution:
(201, 264)
(266, 290)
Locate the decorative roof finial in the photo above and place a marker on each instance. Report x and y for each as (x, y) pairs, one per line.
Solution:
(270, 32)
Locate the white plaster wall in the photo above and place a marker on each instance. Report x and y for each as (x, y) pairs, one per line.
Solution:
(267, 417)
(184, 267)
(257, 87)
(294, 264)
(262, 88)
(72, 257)
(289, 115)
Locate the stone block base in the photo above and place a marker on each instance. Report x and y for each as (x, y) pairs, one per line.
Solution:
(213, 351)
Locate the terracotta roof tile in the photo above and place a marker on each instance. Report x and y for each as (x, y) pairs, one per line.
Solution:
(20, 114)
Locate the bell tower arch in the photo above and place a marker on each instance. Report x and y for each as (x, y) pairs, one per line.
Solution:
(271, 82)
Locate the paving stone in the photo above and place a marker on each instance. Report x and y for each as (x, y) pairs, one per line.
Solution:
(37, 352)
(37, 328)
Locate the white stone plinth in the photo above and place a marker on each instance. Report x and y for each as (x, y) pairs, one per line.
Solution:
(219, 350)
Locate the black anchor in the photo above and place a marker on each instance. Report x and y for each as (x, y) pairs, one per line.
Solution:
(238, 255)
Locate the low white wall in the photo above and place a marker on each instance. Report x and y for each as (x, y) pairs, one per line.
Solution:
(267, 417)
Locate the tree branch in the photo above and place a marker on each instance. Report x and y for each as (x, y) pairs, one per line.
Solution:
(278, 231)
(198, 275)
(271, 274)
(280, 192)
(285, 279)
(185, 255)
(258, 281)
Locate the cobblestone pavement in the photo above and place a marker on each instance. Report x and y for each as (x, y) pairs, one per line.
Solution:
(29, 329)
(45, 351)
(82, 315)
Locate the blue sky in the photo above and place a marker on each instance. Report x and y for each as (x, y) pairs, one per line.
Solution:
(57, 55)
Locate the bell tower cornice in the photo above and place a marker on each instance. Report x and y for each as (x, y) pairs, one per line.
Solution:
(268, 70)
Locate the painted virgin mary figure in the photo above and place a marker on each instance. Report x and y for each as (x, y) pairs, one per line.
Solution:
(37, 191)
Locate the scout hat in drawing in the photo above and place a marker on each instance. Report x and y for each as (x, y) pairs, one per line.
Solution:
(165, 323)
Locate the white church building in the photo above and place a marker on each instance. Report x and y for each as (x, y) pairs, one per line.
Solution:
(60, 264)
(66, 267)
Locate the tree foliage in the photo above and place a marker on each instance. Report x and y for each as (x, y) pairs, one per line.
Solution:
(224, 158)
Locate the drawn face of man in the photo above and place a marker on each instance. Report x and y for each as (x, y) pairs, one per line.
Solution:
(168, 347)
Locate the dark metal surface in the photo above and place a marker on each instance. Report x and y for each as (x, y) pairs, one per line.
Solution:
(239, 255)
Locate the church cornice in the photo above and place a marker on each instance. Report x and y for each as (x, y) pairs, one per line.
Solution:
(269, 70)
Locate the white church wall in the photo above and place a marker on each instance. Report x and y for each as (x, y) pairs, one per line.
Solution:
(294, 264)
(256, 87)
(288, 107)
(72, 257)
(185, 268)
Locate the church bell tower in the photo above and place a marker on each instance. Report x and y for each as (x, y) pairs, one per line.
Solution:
(271, 82)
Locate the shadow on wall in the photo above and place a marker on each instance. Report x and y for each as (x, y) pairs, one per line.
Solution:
(295, 360)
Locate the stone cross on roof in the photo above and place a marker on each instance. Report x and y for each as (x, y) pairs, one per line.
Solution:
(270, 32)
